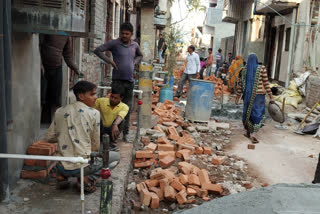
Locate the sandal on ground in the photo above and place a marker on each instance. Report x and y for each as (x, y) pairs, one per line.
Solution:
(254, 140)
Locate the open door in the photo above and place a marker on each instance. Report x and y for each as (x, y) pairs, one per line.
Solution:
(279, 52)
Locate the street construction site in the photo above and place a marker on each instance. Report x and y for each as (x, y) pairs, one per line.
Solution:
(182, 165)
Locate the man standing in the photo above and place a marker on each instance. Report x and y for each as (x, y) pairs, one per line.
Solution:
(209, 62)
(191, 70)
(76, 129)
(126, 53)
(112, 111)
(161, 44)
(52, 49)
(219, 61)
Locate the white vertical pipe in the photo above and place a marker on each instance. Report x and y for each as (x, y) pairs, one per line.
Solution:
(82, 189)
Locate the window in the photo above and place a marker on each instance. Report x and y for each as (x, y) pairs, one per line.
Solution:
(288, 33)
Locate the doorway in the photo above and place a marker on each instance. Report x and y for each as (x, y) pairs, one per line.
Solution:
(279, 52)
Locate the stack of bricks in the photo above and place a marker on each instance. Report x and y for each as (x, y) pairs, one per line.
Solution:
(167, 185)
(175, 149)
(39, 169)
(219, 85)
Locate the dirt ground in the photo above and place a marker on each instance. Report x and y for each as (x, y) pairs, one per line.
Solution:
(281, 156)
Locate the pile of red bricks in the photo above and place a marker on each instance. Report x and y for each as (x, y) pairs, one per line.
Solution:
(165, 182)
(219, 86)
(39, 169)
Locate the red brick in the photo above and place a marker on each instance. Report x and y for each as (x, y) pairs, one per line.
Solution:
(194, 180)
(185, 167)
(195, 170)
(191, 191)
(145, 140)
(203, 176)
(158, 129)
(39, 150)
(207, 150)
(200, 192)
(43, 163)
(32, 174)
(145, 197)
(182, 197)
(163, 184)
(172, 133)
(184, 146)
(177, 185)
(206, 198)
(183, 179)
(39, 174)
(163, 140)
(166, 161)
(218, 160)
(168, 102)
(158, 192)
(154, 201)
(152, 183)
(184, 152)
(165, 147)
(141, 186)
(212, 187)
(186, 170)
(157, 174)
(163, 154)
(151, 147)
(144, 154)
(53, 146)
(251, 146)
(198, 150)
(169, 193)
(143, 164)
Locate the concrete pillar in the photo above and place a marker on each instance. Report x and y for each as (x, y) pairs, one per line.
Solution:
(145, 84)
(147, 34)
(304, 9)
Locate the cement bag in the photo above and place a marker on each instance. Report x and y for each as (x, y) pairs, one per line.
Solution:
(292, 95)
(301, 82)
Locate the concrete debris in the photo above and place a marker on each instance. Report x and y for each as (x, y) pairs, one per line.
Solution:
(202, 128)
(191, 129)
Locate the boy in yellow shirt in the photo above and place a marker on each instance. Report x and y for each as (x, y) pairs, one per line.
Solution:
(112, 112)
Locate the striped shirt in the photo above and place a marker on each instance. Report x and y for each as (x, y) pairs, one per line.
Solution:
(264, 86)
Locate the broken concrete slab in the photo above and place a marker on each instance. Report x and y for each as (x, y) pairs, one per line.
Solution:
(276, 199)
(191, 129)
(202, 128)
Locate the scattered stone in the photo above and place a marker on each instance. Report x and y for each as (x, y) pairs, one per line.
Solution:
(191, 129)
(228, 132)
(165, 210)
(168, 124)
(143, 132)
(132, 186)
(202, 128)
(157, 135)
(134, 123)
(172, 207)
(136, 171)
(151, 131)
(26, 199)
(218, 147)
(227, 141)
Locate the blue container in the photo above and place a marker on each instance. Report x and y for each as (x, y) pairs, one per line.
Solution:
(165, 94)
(199, 100)
(171, 81)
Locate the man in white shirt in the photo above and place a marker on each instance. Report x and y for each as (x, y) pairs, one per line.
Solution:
(191, 71)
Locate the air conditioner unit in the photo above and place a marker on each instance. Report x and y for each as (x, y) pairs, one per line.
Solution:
(49, 16)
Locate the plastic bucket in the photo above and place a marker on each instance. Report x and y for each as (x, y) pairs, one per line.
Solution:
(199, 100)
(171, 81)
(165, 94)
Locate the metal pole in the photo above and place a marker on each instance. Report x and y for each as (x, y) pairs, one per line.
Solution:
(82, 189)
(292, 36)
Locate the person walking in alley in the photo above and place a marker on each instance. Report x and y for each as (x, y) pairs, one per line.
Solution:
(52, 49)
(254, 85)
(191, 70)
(126, 53)
(112, 111)
(209, 62)
(161, 45)
(219, 61)
(234, 72)
(76, 129)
